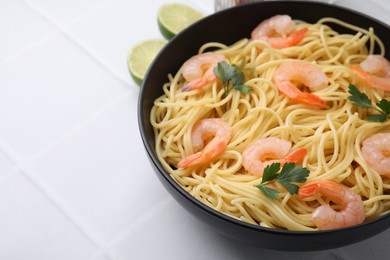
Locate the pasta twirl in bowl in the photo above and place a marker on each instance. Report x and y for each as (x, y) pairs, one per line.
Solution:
(262, 121)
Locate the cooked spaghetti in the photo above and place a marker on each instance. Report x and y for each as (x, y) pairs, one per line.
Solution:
(332, 134)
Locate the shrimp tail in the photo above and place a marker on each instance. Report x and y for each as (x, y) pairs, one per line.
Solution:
(309, 189)
(295, 94)
(310, 99)
(328, 188)
(292, 40)
(194, 84)
(209, 152)
(296, 156)
(325, 217)
(208, 77)
(297, 36)
(376, 82)
(191, 160)
(204, 129)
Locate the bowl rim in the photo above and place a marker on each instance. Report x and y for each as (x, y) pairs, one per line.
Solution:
(176, 186)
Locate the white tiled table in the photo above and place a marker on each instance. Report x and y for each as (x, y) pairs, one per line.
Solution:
(75, 182)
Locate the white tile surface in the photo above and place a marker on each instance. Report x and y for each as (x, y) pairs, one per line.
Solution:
(32, 227)
(49, 90)
(106, 31)
(189, 239)
(6, 164)
(20, 27)
(75, 182)
(103, 163)
(383, 4)
(183, 229)
(378, 9)
(101, 255)
(66, 11)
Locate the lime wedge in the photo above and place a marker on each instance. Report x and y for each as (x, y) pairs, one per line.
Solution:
(141, 56)
(174, 17)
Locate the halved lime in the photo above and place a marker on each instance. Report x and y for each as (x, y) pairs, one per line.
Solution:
(174, 17)
(141, 56)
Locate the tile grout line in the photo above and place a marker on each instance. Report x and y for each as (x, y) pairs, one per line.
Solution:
(27, 48)
(79, 17)
(140, 220)
(49, 35)
(12, 156)
(23, 166)
(108, 254)
(78, 126)
(31, 175)
(73, 38)
(95, 57)
(61, 205)
(6, 148)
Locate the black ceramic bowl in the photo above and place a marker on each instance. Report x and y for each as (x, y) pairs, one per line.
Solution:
(228, 27)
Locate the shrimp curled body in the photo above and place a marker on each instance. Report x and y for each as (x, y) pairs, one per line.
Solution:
(374, 71)
(199, 70)
(376, 152)
(256, 157)
(217, 128)
(278, 32)
(303, 72)
(325, 217)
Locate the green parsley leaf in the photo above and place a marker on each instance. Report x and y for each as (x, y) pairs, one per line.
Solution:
(360, 99)
(292, 174)
(289, 175)
(245, 89)
(384, 104)
(237, 79)
(377, 118)
(231, 77)
(230, 72)
(269, 192)
(270, 172)
(221, 71)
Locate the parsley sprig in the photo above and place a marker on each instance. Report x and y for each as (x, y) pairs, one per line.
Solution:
(232, 77)
(360, 99)
(289, 175)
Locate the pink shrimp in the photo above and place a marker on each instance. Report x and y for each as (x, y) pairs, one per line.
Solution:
(199, 70)
(203, 130)
(256, 157)
(325, 217)
(278, 31)
(303, 72)
(376, 152)
(374, 71)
